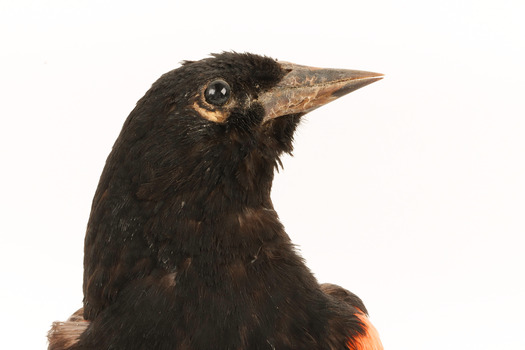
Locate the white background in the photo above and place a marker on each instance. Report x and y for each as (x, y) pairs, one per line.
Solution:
(410, 191)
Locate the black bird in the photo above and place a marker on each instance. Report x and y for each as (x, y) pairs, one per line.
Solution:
(183, 248)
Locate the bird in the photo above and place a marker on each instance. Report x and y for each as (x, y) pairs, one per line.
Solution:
(183, 247)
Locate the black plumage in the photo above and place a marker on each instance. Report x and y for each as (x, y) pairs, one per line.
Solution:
(183, 248)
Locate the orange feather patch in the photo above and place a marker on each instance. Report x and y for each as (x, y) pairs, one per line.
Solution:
(368, 341)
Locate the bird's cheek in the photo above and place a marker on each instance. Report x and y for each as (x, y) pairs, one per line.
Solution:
(247, 118)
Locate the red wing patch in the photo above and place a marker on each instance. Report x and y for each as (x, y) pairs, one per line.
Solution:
(368, 341)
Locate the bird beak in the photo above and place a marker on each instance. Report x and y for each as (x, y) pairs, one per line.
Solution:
(304, 89)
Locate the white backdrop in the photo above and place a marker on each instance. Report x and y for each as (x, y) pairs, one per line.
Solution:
(409, 192)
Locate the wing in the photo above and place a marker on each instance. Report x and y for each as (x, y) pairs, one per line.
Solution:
(368, 337)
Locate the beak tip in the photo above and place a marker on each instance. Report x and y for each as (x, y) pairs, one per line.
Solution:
(356, 84)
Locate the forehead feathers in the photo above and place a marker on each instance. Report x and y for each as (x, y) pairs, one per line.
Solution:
(262, 71)
(246, 73)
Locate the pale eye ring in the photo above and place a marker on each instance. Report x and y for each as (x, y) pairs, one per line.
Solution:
(217, 93)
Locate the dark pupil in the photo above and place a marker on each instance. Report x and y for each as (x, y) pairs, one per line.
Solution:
(218, 92)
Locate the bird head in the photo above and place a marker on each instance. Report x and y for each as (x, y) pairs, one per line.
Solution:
(216, 127)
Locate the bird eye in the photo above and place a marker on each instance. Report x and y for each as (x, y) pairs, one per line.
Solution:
(217, 93)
